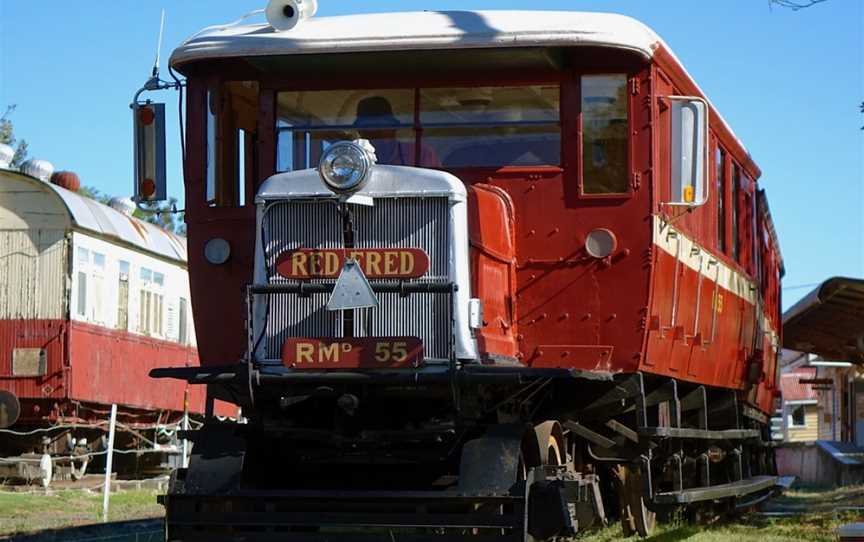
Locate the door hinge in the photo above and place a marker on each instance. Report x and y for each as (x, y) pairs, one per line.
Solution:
(634, 86)
(636, 180)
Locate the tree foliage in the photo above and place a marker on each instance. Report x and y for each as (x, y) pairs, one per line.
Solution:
(7, 136)
(163, 214)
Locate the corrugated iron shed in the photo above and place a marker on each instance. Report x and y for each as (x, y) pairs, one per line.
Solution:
(829, 321)
(793, 390)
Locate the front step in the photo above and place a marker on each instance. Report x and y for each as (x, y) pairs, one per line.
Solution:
(721, 491)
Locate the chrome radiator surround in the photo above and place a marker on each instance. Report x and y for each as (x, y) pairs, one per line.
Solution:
(413, 208)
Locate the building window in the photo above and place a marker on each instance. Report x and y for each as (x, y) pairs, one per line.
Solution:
(797, 417)
(83, 257)
(604, 134)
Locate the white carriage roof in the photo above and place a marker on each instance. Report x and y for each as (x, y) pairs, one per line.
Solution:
(90, 215)
(415, 30)
(422, 30)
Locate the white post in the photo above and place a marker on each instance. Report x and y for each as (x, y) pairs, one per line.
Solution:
(185, 462)
(108, 460)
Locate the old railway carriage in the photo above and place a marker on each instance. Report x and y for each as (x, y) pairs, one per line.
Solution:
(91, 299)
(542, 273)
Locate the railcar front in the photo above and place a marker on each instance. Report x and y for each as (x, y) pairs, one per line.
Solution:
(422, 263)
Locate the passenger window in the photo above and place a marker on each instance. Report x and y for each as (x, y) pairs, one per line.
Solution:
(736, 196)
(232, 116)
(720, 176)
(604, 134)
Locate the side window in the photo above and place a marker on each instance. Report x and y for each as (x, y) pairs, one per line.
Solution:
(97, 293)
(151, 303)
(183, 323)
(232, 113)
(736, 196)
(83, 264)
(720, 179)
(604, 134)
(123, 296)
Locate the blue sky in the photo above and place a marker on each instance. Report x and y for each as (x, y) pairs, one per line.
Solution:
(789, 83)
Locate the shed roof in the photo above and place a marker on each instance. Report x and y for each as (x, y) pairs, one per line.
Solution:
(793, 390)
(829, 321)
(91, 216)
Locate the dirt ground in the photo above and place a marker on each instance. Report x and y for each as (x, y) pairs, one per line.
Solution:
(804, 515)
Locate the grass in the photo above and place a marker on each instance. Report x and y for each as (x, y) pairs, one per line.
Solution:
(816, 519)
(29, 512)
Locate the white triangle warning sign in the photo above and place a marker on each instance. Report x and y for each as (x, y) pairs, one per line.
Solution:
(352, 290)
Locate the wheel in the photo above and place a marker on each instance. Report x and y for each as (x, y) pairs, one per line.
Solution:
(46, 468)
(628, 521)
(644, 520)
(550, 443)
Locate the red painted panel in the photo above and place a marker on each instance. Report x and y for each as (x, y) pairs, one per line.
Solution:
(493, 267)
(47, 334)
(109, 366)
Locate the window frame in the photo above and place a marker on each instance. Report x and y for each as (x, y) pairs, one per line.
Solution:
(580, 158)
(791, 418)
(418, 128)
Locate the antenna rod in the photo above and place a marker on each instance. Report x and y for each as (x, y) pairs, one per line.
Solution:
(159, 45)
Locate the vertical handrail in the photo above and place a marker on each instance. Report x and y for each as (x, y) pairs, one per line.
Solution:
(714, 301)
(674, 235)
(698, 292)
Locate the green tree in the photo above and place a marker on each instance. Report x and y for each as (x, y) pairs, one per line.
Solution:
(163, 214)
(7, 136)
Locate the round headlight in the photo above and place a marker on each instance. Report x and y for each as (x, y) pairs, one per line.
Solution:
(217, 251)
(345, 166)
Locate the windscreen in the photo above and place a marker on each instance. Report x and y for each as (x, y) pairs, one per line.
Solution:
(452, 127)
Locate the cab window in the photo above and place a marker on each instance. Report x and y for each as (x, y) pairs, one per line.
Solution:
(604, 134)
(436, 127)
(231, 120)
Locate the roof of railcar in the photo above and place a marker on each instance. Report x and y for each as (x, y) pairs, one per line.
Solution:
(423, 30)
(429, 30)
(91, 216)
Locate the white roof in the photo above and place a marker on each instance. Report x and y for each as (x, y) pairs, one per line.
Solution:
(415, 30)
(90, 215)
(423, 30)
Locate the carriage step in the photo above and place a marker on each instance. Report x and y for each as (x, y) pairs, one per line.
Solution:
(734, 489)
(706, 434)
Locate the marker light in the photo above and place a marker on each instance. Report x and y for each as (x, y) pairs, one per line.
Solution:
(217, 251)
(345, 166)
(600, 243)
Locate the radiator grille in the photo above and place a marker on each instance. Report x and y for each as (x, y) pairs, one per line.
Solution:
(391, 222)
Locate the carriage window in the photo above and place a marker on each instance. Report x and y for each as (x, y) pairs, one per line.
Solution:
(232, 116)
(123, 296)
(604, 134)
(492, 126)
(720, 176)
(736, 191)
